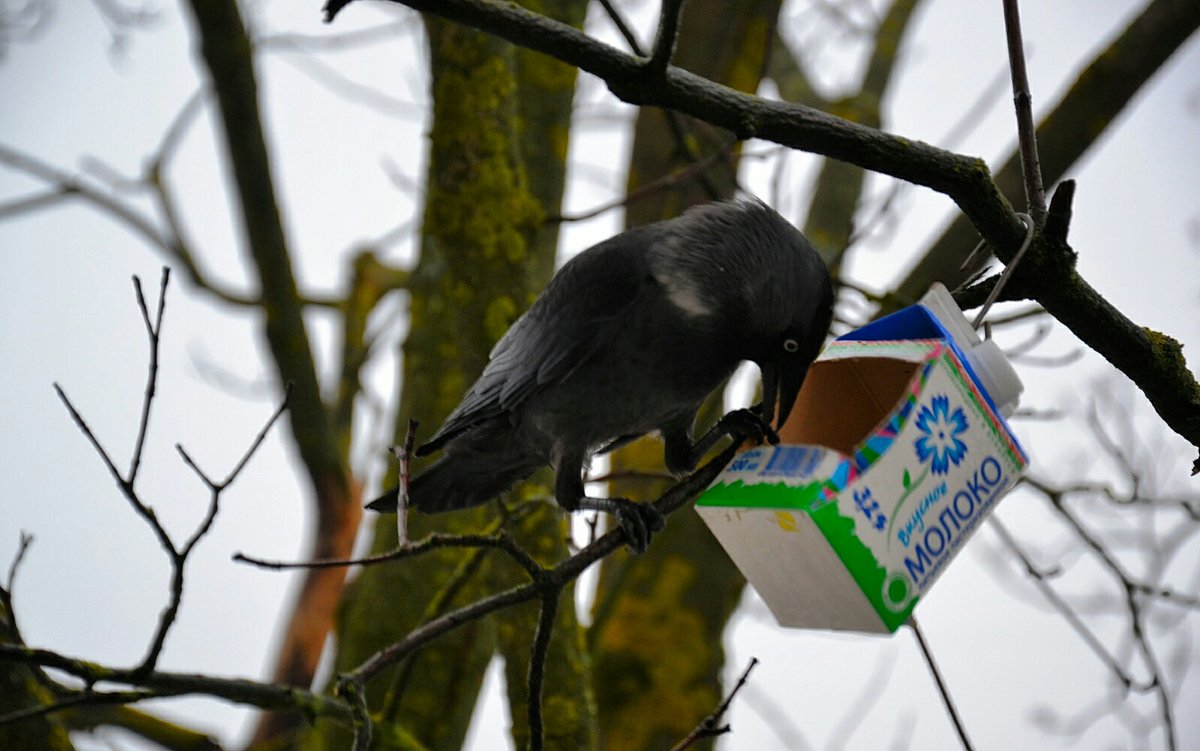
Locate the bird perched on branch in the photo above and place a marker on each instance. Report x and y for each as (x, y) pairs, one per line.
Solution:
(630, 337)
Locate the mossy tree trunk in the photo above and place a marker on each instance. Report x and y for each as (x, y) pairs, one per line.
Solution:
(659, 617)
(24, 687)
(485, 254)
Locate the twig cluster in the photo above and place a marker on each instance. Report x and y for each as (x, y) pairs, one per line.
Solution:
(546, 585)
(1138, 567)
(150, 683)
(1048, 273)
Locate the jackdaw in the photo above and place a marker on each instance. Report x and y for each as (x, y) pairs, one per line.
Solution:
(630, 337)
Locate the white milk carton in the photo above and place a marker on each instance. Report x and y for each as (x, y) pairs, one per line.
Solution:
(895, 451)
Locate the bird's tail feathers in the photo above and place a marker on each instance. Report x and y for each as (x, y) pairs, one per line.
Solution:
(458, 481)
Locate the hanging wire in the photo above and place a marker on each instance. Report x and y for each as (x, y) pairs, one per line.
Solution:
(1008, 270)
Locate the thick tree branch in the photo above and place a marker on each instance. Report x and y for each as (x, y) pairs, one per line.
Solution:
(668, 33)
(965, 179)
(1101, 91)
(226, 52)
(569, 569)
(1152, 360)
(225, 49)
(239, 691)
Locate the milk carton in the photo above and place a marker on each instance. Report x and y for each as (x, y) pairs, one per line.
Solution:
(896, 450)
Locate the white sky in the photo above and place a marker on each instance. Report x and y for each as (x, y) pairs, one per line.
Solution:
(94, 580)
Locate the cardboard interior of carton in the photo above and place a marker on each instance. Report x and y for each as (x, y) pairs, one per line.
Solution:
(844, 401)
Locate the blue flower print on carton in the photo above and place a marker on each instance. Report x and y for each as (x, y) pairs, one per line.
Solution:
(940, 444)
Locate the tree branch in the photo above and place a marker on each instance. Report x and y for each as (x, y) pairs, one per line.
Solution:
(711, 726)
(567, 570)
(227, 54)
(1048, 275)
(237, 690)
(668, 33)
(1031, 167)
(1098, 95)
(943, 691)
(537, 667)
(177, 555)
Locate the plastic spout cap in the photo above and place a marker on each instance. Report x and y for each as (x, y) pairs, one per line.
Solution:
(996, 374)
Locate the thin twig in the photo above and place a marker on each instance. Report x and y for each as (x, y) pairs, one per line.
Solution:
(941, 685)
(173, 136)
(237, 690)
(1041, 580)
(71, 701)
(153, 328)
(176, 555)
(566, 570)
(537, 666)
(664, 42)
(614, 15)
(1035, 194)
(140, 508)
(6, 592)
(1157, 680)
(403, 455)
(711, 726)
(433, 541)
(694, 170)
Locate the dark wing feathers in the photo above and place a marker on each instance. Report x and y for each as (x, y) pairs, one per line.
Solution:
(580, 310)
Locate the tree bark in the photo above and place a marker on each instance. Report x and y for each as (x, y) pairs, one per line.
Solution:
(659, 616)
(226, 52)
(484, 256)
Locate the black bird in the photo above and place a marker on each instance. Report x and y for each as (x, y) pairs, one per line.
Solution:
(630, 337)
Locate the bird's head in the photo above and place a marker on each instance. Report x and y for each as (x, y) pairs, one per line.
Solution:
(784, 359)
(744, 265)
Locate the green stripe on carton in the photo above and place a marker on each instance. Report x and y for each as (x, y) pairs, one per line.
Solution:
(764, 495)
(860, 562)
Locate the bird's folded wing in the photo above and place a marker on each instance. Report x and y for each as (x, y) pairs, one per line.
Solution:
(582, 310)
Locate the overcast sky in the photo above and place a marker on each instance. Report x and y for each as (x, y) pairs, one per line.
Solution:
(94, 580)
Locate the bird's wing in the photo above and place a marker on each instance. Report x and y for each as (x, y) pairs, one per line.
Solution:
(582, 308)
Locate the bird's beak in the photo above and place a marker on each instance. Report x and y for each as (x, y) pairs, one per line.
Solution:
(780, 387)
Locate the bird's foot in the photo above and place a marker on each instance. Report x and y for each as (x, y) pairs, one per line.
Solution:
(639, 520)
(749, 423)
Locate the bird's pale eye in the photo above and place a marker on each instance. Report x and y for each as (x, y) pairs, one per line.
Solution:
(791, 346)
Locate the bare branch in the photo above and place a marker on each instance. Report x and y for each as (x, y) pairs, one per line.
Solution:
(614, 15)
(711, 726)
(693, 171)
(664, 43)
(537, 667)
(943, 691)
(1136, 616)
(237, 690)
(153, 328)
(74, 700)
(381, 34)
(1041, 581)
(177, 555)
(69, 186)
(1035, 194)
(567, 570)
(6, 592)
